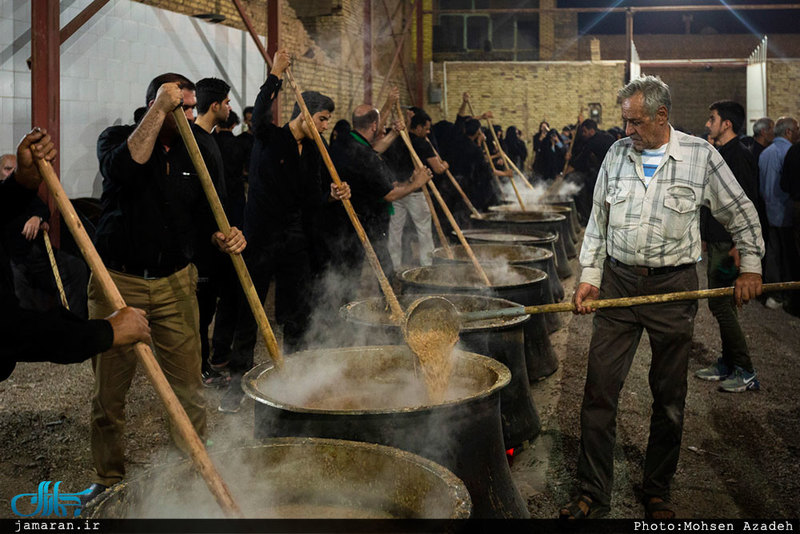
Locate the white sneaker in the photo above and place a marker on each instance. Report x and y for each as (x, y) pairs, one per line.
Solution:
(773, 304)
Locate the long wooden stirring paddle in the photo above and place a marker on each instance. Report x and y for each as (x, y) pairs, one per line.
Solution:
(175, 411)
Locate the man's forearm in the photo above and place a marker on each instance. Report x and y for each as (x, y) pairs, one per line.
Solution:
(385, 142)
(143, 139)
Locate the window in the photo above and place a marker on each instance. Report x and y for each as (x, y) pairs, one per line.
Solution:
(478, 33)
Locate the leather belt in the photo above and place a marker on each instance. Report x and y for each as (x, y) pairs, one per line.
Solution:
(147, 273)
(650, 271)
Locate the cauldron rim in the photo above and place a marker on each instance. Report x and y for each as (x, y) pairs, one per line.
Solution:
(509, 208)
(403, 276)
(532, 237)
(463, 501)
(250, 379)
(441, 252)
(510, 322)
(496, 216)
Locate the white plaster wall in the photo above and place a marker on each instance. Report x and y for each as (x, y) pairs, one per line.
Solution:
(105, 69)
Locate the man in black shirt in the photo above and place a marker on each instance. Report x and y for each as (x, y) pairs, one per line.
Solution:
(790, 182)
(285, 179)
(413, 205)
(58, 335)
(155, 220)
(213, 108)
(586, 159)
(725, 120)
(373, 188)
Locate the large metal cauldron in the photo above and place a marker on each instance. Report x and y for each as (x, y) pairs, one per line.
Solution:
(296, 478)
(546, 240)
(522, 223)
(497, 223)
(371, 394)
(523, 285)
(566, 211)
(495, 254)
(567, 201)
(501, 339)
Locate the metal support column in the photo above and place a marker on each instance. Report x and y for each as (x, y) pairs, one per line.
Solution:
(368, 52)
(420, 97)
(45, 86)
(273, 45)
(629, 43)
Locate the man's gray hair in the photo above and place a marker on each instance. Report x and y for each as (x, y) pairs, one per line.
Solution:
(783, 125)
(762, 124)
(655, 92)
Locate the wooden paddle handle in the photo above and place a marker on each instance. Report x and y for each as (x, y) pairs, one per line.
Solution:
(391, 298)
(54, 267)
(426, 193)
(621, 302)
(445, 209)
(505, 156)
(174, 409)
(455, 183)
(256, 306)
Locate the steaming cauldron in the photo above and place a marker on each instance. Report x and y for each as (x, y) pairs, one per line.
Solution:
(296, 478)
(501, 339)
(522, 223)
(545, 240)
(523, 285)
(568, 201)
(525, 256)
(371, 394)
(566, 211)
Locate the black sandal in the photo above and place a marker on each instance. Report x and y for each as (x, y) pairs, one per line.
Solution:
(657, 508)
(583, 508)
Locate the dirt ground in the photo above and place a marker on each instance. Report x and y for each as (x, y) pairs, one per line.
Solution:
(740, 456)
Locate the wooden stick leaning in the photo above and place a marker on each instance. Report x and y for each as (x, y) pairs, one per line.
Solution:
(621, 302)
(434, 217)
(505, 156)
(54, 267)
(256, 306)
(560, 177)
(455, 183)
(396, 310)
(445, 209)
(513, 185)
(437, 223)
(174, 409)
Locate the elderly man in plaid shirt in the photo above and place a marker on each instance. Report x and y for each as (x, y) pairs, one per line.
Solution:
(643, 237)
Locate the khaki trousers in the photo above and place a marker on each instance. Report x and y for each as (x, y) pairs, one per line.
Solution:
(171, 308)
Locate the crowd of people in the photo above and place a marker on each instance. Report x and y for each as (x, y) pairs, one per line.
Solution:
(654, 200)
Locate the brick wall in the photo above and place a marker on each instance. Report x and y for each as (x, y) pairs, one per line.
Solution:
(695, 88)
(783, 96)
(525, 93)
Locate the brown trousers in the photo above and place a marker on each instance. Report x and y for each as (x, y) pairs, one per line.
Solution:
(171, 308)
(615, 338)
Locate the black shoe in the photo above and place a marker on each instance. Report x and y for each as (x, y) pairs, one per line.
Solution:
(233, 397)
(93, 491)
(213, 379)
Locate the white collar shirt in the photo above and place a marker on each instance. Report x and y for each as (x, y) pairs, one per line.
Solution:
(659, 225)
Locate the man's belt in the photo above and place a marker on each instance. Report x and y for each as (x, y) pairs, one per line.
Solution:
(148, 273)
(650, 271)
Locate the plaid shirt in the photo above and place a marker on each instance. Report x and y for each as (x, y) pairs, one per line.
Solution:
(659, 225)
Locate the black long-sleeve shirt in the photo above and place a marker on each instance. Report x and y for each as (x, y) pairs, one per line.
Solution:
(790, 176)
(58, 335)
(155, 215)
(283, 182)
(745, 169)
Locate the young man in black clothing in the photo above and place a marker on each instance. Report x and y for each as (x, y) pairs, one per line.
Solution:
(58, 335)
(155, 220)
(213, 108)
(734, 367)
(586, 159)
(285, 179)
